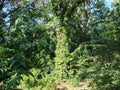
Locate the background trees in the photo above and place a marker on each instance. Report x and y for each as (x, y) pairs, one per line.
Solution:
(55, 40)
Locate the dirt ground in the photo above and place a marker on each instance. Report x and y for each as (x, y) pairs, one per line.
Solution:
(66, 86)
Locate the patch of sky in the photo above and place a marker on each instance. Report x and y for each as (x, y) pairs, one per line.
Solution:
(108, 3)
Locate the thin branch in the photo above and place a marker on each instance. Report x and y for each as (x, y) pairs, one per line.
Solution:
(10, 12)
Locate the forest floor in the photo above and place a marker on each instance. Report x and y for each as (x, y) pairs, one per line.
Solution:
(66, 86)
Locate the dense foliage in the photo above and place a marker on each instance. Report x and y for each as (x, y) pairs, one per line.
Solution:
(45, 42)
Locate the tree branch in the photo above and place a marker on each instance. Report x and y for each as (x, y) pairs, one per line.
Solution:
(10, 12)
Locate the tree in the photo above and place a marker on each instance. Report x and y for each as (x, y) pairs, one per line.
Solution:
(59, 40)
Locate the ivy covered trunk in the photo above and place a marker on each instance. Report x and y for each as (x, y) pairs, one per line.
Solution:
(60, 11)
(61, 53)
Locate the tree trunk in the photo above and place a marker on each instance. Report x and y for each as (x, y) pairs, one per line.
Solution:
(61, 53)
